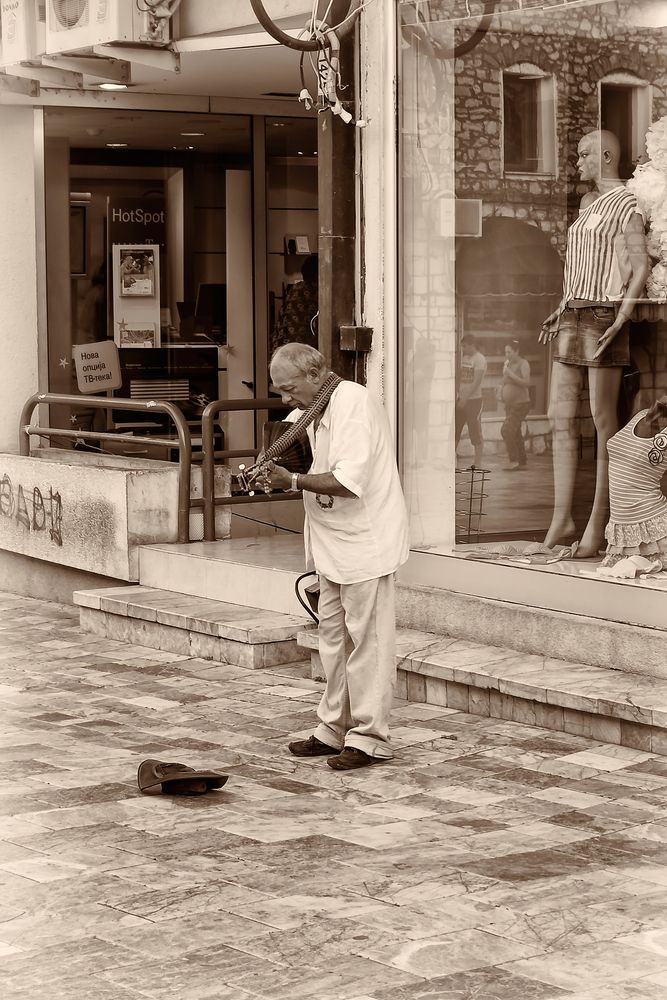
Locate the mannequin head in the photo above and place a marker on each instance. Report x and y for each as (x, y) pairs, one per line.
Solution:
(598, 156)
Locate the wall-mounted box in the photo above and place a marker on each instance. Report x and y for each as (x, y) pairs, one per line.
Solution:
(356, 338)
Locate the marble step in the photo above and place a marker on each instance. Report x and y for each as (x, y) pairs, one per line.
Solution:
(179, 623)
(591, 701)
(254, 573)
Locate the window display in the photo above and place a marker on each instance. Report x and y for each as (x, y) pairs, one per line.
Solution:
(545, 326)
(136, 295)
(638, 523)
(606, 267)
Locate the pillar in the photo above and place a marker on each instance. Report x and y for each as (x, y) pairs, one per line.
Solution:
(21, 259)
(336, 148)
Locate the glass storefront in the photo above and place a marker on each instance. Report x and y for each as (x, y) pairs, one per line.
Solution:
(530, 230)
(160, 226)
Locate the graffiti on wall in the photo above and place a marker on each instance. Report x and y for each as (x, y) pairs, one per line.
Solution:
(35, 510)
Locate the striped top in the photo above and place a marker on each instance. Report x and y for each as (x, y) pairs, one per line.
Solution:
(634, 484)
(597, 267)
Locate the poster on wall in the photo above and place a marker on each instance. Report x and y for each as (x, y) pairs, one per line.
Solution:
(136, 295)
(137, 272)
(140, 220)
(137, 335)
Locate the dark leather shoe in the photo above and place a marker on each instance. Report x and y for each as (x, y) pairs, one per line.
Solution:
(350, 758)
(312, 747)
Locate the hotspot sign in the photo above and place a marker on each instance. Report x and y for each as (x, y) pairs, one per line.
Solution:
(136, 220)
(97, 366)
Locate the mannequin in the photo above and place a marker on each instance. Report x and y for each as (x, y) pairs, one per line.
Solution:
(605, 272)
(637, 465)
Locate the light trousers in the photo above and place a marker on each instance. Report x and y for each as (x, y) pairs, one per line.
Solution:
(357, 643)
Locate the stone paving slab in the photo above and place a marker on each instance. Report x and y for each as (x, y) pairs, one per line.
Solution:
(489, 859)
(197, 614)
(585, 700)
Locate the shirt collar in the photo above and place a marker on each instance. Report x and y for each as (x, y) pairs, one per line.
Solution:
(325, 419)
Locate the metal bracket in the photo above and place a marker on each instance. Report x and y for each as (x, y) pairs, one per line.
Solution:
(15, 85)
(47, 75)
(163, 59)
(114, 70)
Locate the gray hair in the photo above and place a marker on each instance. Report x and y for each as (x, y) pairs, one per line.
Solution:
(302, 357)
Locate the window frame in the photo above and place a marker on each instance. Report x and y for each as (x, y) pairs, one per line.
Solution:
(546, 129)
(642, 106)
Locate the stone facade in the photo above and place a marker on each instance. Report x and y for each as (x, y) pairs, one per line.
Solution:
(579, 49)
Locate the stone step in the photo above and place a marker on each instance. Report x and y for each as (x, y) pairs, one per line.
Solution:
(596, 702)
(254, 573)
(179, 623)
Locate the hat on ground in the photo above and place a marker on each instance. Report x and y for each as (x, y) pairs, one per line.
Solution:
(177, 779)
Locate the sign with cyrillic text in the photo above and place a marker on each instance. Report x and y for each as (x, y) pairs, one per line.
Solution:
(97, 366)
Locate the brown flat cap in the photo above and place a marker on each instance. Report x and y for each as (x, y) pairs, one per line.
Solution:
(177, 779)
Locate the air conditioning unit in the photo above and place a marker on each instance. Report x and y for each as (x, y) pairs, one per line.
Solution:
(23, 24)
(73, 25)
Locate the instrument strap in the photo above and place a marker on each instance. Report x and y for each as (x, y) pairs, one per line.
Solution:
(296, 431)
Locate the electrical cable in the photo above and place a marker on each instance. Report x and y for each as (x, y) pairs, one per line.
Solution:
(462, 48)
(302, 44)
(300, 599)
(266, 524)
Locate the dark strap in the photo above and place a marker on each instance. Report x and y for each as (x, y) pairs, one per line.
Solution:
(296, 431)
(298, 428)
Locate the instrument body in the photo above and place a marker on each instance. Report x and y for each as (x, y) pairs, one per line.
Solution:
(246, 477)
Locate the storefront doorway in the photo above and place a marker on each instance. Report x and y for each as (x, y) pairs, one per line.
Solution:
(225, 207)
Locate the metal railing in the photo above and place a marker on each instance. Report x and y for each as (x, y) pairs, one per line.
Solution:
(184, 440)
(210, 501)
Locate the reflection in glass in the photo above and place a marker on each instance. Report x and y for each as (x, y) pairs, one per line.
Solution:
(499, 133)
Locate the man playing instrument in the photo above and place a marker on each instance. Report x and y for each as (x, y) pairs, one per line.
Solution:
(356, 537)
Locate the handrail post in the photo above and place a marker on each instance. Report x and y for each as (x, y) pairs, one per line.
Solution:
(208, 470)
(116, 403)
(24, 420)
(208, 447)
(184, 468)
(184, 443)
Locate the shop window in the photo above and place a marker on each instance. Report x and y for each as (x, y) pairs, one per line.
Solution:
(529, 144)
(503, 443)
(625, 110)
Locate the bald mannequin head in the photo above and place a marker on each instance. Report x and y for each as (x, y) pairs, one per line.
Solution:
(599, 153)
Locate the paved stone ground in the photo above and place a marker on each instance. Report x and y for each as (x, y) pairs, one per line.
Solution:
(488, 860)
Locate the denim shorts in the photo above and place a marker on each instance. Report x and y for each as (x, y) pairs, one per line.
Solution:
(578, 333)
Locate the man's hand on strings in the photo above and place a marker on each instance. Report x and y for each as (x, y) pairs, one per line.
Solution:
(274, 477)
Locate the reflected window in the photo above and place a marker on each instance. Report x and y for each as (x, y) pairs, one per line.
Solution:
(625, 110)
(528, 121)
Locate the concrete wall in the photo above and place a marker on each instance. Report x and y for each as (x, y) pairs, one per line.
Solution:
(19, 251)
(47, 581)
(92, 512)
(85, 517)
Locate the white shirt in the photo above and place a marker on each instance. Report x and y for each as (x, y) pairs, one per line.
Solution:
(352, 539)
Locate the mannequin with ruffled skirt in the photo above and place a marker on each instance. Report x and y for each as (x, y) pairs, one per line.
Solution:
(637, 465)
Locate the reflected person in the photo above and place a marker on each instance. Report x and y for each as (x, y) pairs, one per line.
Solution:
(469, 399)
(515, 394)
(606, 267)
